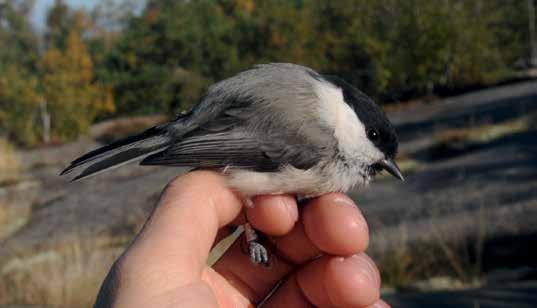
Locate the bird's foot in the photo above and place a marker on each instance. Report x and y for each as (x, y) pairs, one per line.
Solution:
(258, 253)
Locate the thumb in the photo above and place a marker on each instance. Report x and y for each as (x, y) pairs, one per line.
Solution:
(173, 246)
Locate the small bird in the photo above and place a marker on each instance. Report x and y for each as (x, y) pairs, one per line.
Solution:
(275, 128)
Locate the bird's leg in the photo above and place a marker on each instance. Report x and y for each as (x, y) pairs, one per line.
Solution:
(258, 252)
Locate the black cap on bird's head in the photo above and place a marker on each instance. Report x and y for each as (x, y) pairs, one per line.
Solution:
(378, 128)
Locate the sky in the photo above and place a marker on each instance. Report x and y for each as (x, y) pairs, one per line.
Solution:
(41, 7)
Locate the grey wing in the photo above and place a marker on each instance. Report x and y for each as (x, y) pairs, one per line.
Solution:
(244, 138)
(236, 148)
(214, 150)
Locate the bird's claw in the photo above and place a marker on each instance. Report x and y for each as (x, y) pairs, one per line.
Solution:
(258, 253)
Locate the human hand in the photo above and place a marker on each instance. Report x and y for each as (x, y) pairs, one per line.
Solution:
(318, 254)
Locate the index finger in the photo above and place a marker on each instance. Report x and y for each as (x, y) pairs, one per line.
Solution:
(177, 238)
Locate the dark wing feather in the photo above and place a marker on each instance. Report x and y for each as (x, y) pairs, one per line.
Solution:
(214, 151)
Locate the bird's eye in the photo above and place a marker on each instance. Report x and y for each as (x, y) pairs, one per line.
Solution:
(372, 134)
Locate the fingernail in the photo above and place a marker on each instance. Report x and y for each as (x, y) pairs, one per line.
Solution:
(353, 283)
(368, 268)
(345, 200)
(292, 210)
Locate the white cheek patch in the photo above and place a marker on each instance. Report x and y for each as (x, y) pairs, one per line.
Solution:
(348, 129)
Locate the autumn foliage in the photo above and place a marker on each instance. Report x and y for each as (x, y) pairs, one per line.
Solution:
(54, 91)
(73, 99)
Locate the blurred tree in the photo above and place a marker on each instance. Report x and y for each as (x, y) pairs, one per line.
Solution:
(269, 31)
(110, 16)
(19, 98)
(390, 48)
(107, 20)
(170, 37)
(532, 33)
(19, 102)
(206, 40)
(162, 56)
(73, 98)
(414, 46)
(19, 43)
(61, 21)
(58, 25)
(342, 41)
(511, 29)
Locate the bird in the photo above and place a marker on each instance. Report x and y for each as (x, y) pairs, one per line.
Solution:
(274, 128)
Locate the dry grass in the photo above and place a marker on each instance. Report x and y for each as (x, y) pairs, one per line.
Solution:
(70, 276)
(451, 260)
(463, 252)
(429, 266)
(67, 278)
(9, 163)
(398, 268)
(483, 133)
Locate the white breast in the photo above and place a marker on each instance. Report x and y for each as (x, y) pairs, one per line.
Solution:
(318, 180)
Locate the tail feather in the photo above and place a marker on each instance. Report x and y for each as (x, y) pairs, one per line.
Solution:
(120, 153)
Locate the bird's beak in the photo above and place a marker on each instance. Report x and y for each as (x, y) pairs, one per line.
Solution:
(390, 166)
